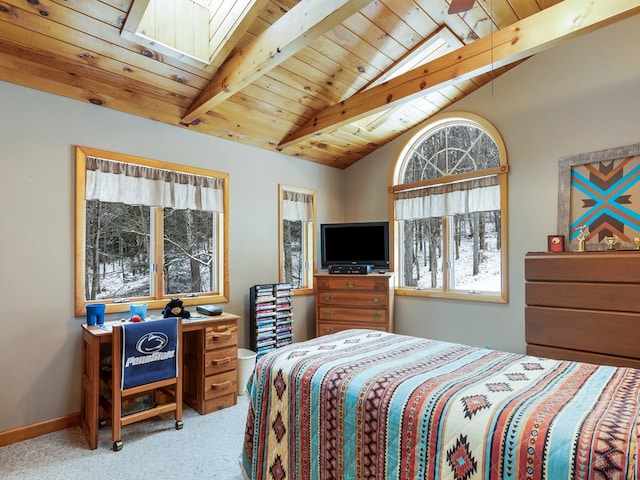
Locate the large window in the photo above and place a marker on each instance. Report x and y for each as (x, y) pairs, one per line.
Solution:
(449, 203)
(297, 240)
(148, 231)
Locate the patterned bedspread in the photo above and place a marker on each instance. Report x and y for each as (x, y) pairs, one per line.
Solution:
(369, 405)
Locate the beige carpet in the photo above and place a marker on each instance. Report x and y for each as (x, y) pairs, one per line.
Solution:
(209, 446)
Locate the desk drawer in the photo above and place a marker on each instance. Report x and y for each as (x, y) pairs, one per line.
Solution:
(220, 384)
(220, 336)
(218, 361)
(219, 403)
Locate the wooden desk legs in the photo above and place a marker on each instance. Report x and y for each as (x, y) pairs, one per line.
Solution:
(90, 385)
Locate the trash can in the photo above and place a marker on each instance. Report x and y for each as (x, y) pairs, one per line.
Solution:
(246, 364)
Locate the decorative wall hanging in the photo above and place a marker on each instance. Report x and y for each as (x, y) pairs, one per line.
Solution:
(600, 191)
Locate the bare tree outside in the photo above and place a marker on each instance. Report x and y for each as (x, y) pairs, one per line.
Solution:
(188, 251)
(473, 238)
(118, 258)
(293, 253)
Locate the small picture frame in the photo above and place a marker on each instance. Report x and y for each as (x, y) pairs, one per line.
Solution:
(555, 243)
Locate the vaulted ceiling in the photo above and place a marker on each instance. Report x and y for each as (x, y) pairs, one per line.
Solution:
(327, 81)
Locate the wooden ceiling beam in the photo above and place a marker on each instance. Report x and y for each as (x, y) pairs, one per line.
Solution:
(549, 27)
(305, 22)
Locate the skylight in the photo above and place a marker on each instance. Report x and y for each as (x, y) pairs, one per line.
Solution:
(438, 44)
(194, 31)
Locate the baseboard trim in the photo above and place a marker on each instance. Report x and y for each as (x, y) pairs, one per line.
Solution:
(32, 431)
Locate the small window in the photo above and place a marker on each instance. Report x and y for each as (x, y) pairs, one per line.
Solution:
(449, 202)
(297, 238)
(148, 231)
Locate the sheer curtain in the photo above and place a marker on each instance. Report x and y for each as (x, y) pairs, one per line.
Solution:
(467, 196)
(131, 184)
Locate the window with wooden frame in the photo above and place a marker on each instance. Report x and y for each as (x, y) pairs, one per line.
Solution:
(297, 215)
(148, 231)
(449, 202)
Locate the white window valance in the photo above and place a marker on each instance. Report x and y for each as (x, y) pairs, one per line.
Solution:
(467, 196)
(131, 184)
(297, 206)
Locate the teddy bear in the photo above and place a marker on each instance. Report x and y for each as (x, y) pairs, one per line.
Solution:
(175, 309)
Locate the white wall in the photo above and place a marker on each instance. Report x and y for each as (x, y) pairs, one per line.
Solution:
(40, 337)
(579, 97)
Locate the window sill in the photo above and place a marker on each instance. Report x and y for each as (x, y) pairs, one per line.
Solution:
(469, 297)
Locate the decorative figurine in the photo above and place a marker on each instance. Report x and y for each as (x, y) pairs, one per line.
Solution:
(584, 231)
(611, 242)
(636, 240)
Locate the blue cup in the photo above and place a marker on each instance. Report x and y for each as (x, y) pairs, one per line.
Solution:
(95, 314)
(138, 309)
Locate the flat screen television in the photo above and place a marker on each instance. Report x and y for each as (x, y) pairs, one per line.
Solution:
(364, 243)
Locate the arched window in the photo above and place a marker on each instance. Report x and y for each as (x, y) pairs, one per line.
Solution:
(449, 206)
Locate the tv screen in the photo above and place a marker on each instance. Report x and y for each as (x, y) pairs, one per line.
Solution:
(365, 243)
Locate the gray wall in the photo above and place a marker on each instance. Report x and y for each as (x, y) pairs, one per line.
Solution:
(40, 340)
(579, 97)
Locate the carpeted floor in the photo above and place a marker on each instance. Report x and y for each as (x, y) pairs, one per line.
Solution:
(209, 446)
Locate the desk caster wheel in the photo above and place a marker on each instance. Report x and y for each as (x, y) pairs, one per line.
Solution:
(117, 445)
(179, 425)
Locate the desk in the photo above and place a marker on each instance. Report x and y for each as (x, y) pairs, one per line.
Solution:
(209, 367)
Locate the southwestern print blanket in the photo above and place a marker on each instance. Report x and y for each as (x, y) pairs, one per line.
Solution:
(370, 405)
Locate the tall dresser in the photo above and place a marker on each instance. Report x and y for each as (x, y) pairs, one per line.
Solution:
(584, 306)
(354, 301)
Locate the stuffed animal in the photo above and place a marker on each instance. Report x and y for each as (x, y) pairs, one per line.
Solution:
(175, 309)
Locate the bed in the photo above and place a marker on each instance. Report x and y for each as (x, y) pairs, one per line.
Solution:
(363, 404)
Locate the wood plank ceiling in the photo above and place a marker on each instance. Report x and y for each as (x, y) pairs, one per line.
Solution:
(311, 78)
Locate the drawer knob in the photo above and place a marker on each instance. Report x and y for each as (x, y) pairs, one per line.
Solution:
(351, 285)
(376, 315)
(375, 299)
(221, 386)
(328, 313)
(327, 297)
(327, 330)
(220, 361)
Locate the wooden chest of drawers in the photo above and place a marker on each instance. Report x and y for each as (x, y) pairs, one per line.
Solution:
(354, 301)
(210, 366)
(584, 306)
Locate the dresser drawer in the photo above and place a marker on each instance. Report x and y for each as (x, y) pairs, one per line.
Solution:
(354, 283)
(327, 328)
(345, 314)
(220, 336)
(220, 384)
(222, 360)
(372, 299)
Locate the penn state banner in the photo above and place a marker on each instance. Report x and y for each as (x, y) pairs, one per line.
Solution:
(149, 352)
